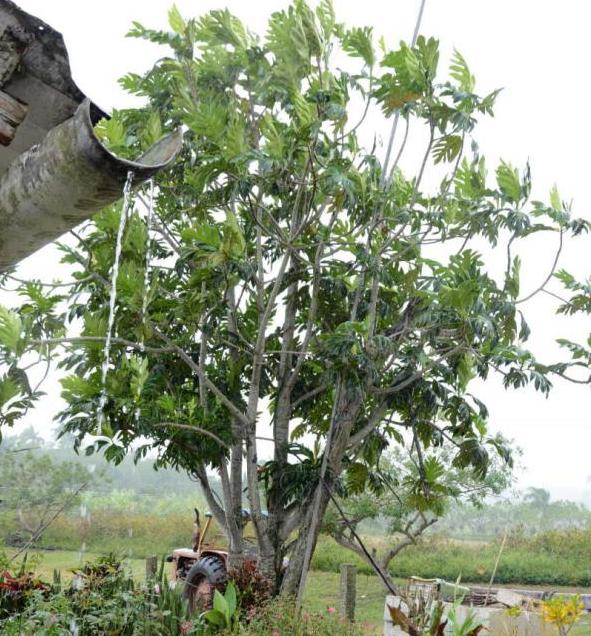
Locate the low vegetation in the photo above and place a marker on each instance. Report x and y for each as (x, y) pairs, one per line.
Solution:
(552, 558)
(103, 597)
(114, 599)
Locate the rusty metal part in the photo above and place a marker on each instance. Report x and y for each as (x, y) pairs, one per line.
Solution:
(208, 516)
(196, 539)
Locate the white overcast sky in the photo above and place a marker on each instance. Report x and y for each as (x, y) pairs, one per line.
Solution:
(537, 50)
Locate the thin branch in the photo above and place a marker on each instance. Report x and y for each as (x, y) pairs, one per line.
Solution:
(308, 395)
(411, 538)
(374, 421)
(193, 429)
(53, 285)
(120, 341)
(552, 270)
(400, 151)
(415, 376)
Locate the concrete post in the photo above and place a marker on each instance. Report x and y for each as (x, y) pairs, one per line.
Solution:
(348, 591)
(151, 567)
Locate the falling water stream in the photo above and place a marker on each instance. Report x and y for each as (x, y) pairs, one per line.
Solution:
(149, 215)
(127, 201)
(145, 291)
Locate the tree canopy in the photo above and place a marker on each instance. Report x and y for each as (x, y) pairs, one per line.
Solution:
(298, 281)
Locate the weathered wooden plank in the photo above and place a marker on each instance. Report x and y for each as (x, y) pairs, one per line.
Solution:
(12, 109)
(12, 113)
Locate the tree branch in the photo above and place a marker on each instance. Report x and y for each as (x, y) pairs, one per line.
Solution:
(194, 429)
(234, 410)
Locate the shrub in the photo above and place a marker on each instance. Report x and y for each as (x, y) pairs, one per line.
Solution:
(103, 599)
(14, 590)
(253, 587)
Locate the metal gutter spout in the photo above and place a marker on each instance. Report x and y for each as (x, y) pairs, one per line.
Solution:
(70, 175)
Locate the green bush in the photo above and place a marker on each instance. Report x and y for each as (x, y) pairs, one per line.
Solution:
(551, 558)
(103, 599)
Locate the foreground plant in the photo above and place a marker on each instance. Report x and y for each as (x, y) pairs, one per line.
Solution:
(424, 616)
(224, 614)
(281, 618)
(420, 619)
(15, 586)
(103, 599)
(563, 613)
(298, 277)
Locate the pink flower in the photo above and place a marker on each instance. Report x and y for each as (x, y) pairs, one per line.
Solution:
(306, 616)
(157, 588)
(185, 627)
(331, 610)
(275, 633)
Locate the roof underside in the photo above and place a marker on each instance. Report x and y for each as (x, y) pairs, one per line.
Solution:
(42, 79)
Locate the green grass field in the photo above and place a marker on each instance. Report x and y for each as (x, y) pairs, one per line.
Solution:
(550, 559)
(322, 589)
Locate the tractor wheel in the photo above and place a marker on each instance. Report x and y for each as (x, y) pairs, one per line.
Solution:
(207, 575)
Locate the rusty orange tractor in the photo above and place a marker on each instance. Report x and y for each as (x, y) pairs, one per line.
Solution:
(201, 569)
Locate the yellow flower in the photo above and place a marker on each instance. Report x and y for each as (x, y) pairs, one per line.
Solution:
(563, 613)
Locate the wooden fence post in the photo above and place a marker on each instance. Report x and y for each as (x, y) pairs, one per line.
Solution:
(151, 567)
(348, 591)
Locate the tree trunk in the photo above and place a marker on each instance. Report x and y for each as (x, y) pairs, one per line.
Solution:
(236, 553)
(309, 530)
(349, 401)
(233, 491)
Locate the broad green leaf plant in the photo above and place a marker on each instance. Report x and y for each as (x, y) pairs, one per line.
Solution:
(304, 292)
